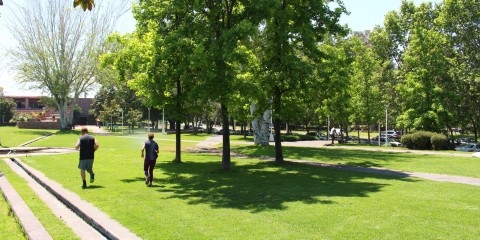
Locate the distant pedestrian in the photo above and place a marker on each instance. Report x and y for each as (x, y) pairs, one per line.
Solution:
(87, 145)
(149, 155)
(333, 132)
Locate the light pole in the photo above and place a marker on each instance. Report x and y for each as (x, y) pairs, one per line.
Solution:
(149, 119)
(328, 126)
(163, 121)
(121, 109)
(386, 124)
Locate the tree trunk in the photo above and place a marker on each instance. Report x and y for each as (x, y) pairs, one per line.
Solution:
(62, 108)
(277, 97)
(178, 157)
(226, 164)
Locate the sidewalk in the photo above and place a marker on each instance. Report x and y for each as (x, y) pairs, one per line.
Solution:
(87, 211)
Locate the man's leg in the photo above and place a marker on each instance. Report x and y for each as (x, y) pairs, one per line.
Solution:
(92, 176)
(150, 171)
(82, 174)
(145, 170)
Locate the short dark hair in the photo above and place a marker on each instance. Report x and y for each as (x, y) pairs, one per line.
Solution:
(84, 130)
(150, 136)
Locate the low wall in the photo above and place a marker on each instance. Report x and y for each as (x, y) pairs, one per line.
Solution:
(39, 125)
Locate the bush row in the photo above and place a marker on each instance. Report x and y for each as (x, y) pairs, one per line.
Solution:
(296, 137)
(422, 140)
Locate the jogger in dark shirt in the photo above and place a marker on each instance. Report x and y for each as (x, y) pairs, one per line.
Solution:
(87, 145)
(150, 155)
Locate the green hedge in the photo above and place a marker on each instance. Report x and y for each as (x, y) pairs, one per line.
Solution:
(296, 137)
(407, 141)
(423, 140)
(439, 142)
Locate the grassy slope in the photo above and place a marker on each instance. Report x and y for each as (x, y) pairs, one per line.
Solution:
(262, 200)
(13, 136)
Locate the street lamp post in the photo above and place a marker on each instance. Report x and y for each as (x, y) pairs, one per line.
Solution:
(328, 126)
(386, 124)
(163, 121)
(149, 119)
(121, 109)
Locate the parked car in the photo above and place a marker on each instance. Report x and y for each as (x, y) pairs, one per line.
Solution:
(468, 147)
(383, 140)
(464, 140)
(390, 134)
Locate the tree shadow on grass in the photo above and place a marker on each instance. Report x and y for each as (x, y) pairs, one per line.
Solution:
(261, 186)
(359, 158)
(132, 180)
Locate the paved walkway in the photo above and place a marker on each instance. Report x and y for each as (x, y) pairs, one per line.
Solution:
(87, 211)
(211, 143)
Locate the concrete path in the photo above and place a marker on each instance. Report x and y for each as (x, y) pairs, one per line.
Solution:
(79, 227)
(87, 211)
(32, 227)
(211, 143)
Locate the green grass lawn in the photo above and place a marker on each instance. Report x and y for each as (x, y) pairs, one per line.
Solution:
(451, 165)
(263, 200)
(14, 136)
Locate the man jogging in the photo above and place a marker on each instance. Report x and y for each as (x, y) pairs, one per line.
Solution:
(149, 155)
(87, 145)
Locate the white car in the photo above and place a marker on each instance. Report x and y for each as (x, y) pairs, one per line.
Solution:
(468, 147)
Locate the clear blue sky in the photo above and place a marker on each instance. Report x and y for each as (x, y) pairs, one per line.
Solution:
(364, 15)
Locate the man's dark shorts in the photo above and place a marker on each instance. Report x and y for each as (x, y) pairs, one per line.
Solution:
(86, 165)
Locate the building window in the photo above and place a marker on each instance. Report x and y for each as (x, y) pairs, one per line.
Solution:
(35, 104)
(20, 105)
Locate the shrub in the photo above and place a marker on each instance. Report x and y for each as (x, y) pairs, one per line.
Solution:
(295, 137)
(439, 142)
(421, 140)
(407, 141)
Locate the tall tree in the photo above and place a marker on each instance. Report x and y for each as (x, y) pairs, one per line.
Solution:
(460, 21)
(59, 47)
(426, 88)
(365, 88)
(224, 25)
(292, 32)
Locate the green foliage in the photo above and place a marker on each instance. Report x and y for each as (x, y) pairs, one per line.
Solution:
(421, 140)
(407, 141)
(297, 137)
(439, 141)
(21, 117)
(6, 109)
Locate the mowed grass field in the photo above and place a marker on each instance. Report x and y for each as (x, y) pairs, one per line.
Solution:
(13, 136)
(259, 199)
